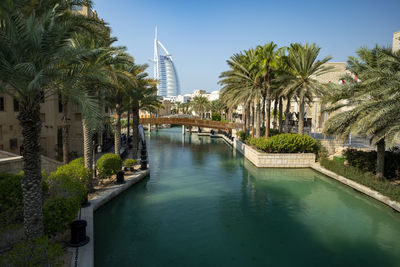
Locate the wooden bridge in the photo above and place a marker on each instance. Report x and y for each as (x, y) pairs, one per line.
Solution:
(192, 122)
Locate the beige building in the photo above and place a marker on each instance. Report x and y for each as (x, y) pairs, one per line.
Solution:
(165, 110)
(51, 115)
(396, 41)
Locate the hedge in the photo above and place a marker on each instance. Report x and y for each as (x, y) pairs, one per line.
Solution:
(366, 161)
(286, 143)
(365, 178)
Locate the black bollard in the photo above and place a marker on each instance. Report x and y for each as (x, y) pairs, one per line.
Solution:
(120, 177)
(86, 202)
(78, 234)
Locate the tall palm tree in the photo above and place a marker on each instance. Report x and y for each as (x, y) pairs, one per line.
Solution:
(33, 38)
(372, 104)
(303, 63)
(242, 86)
(266, 63)
(141, 96)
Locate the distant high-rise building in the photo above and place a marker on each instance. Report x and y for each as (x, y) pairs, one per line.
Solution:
(396, 41)
(165, 71)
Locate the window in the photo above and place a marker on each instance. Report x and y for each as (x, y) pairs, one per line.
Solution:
(1, 103)
(78, 116)
(13, 143)
(106, 109)
(16, 105)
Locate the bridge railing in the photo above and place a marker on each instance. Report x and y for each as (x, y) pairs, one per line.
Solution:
(192, 122)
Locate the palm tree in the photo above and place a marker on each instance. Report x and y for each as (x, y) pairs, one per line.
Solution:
(242, 86)
(372, 104)
(266, 63)
(305, 67)
(217, 106)
(200, 105)
(33, 37)
(142, 95)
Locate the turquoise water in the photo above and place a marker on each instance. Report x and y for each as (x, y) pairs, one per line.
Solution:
(205, 205)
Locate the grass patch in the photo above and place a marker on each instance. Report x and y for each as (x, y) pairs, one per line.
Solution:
(368, 179)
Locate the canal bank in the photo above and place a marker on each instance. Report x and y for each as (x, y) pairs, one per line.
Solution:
(206, 205)
(304, 160)
(84, 256)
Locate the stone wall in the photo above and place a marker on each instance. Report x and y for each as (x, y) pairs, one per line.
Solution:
(332, 146)
(13, 163)
(274, 160)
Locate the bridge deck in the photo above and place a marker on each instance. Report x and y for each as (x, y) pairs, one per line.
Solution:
(192, 122)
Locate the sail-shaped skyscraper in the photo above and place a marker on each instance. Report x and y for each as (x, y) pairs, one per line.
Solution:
(165, 71)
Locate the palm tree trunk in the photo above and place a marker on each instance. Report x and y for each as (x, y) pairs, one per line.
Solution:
(252, 120)
(275, 120)
(135, 130)
(65, 130)
(301, 114)
(380, 159)
(31, 183)
(258, 123)
(268, 115)
(87, 151)
(127, 126)
(248, 117)
(280, 114)
(245, 119)
(263, 106)
(117, 131)
(287, 112)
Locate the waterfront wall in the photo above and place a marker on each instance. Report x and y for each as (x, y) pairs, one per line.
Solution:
(274, 160)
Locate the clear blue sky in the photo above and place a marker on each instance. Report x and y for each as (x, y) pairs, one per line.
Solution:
(202, 34)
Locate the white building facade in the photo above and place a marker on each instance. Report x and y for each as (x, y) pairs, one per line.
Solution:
(165, 71)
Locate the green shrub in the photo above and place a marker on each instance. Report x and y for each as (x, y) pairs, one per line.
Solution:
(10, 191)
(339, 159)
(366, 161)
(130, 162)
(76, 170)
(243, 136)
(109, 164)
(286, 143)
(36, 252)
(259, 142)
(365, 178)
(58, 213)
(62, 185)
(216, 117)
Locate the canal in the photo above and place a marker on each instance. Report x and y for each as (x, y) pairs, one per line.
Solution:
(205, 205)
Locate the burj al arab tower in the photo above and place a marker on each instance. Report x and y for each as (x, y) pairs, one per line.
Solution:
(165, 71)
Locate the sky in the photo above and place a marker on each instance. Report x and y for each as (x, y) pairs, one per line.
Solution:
(202, 34)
